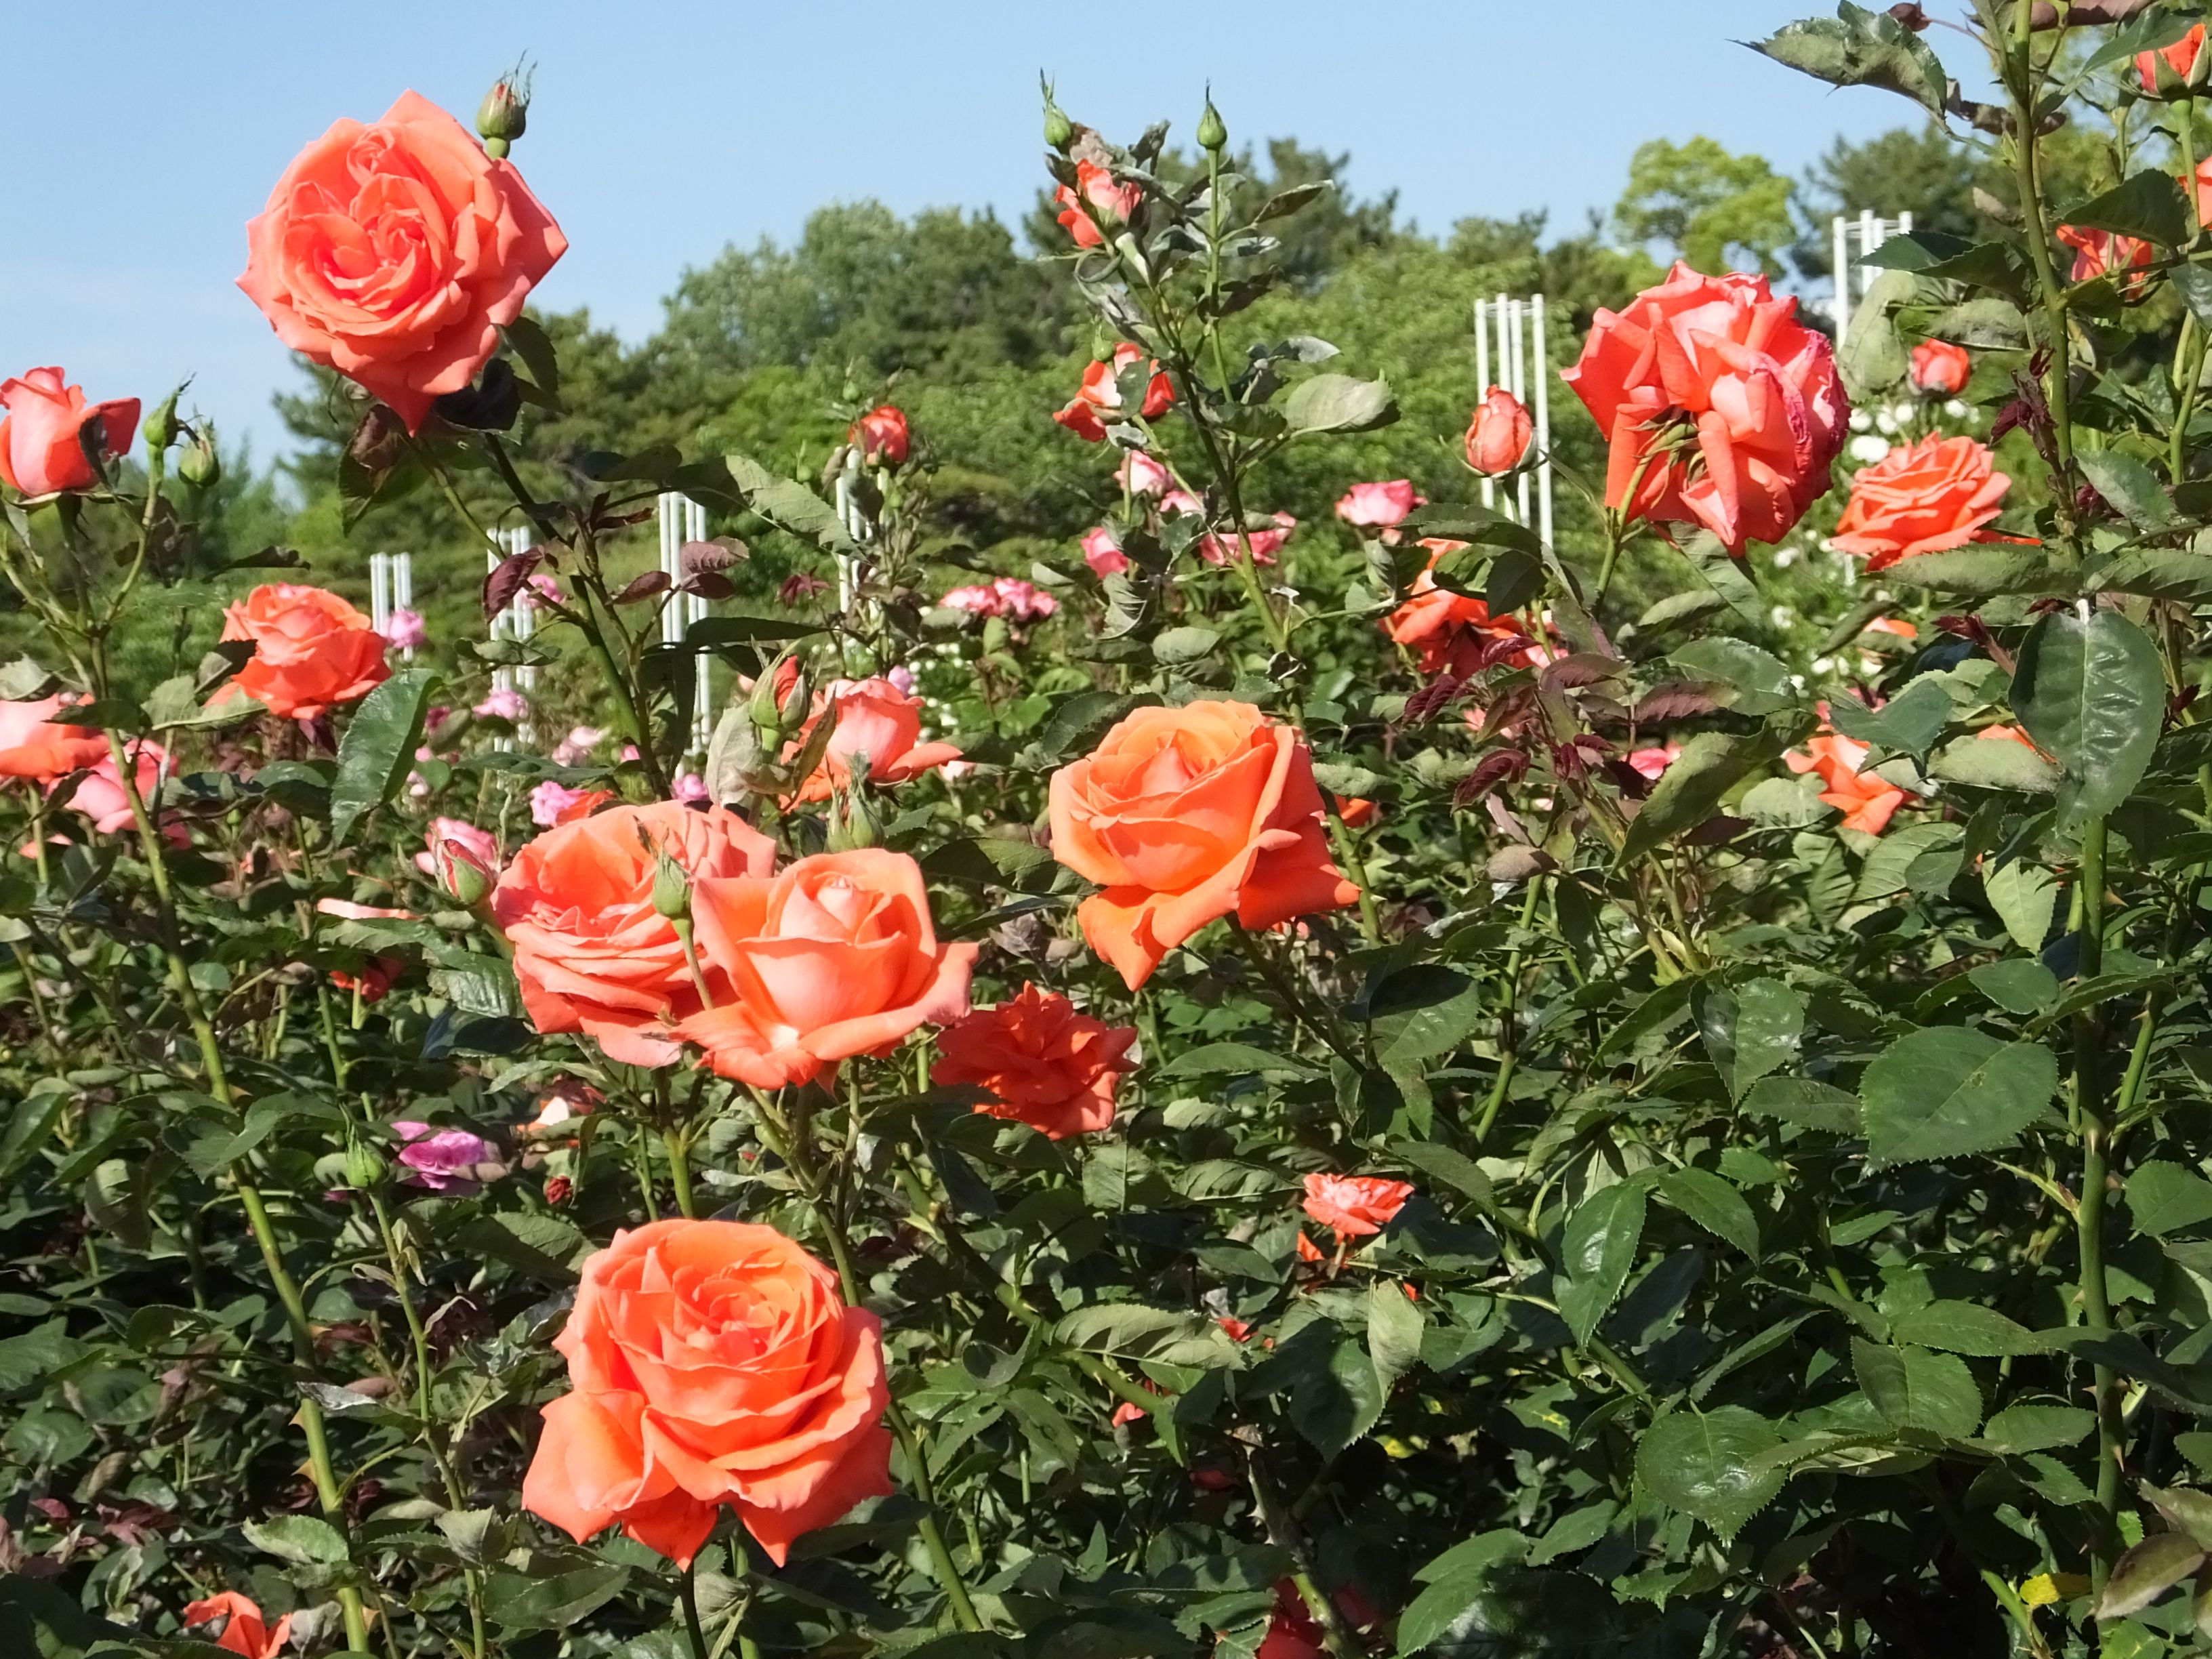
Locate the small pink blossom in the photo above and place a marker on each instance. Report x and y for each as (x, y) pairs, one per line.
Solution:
(550, 799)
(100, 796)
(1103, 553)
(1180, 501)
(403, 630)
(446, 1160)
(580, 743)
(689, 786)
(1379, 504)
(542, 590)
(1023, 601)
(901, 676)
(1651, 762)
(976, 600)
(505, 704)
(1140, 475)
(1265, 544)
(629, 751)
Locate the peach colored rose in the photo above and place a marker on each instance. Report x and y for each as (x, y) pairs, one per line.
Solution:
(1499, 434)
(881, 435)
(243, 1631)
(42, 440)
(1381, 505)
(2123, 258)
(875, 719)
(1110, 203)
(1452, 633)
(463, 859)
(1354, 1207)
(312, 650)
(1720, 407)
(1356, 811)
(712, 1363)
(1651, 764)
(1941, 368)
(1140, 475)
(1926, 498)
(1101, 392)
(1865, 800)
(836, 957)
(1186, 815)
(100, 796)
(395, 253)
(591, 952)
(1049, 1066)
(1222, 548)
(32, 745)
(2180, 59)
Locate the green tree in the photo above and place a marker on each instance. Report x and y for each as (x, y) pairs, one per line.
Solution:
(1714, 208)
(1924, 172)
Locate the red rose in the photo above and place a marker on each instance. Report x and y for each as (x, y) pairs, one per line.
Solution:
(1355, 1205)
(1941, 368)
(1101, 392)
(880, 435)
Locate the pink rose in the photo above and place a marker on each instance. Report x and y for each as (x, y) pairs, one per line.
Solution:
(689, 786)
(100, 796)
(977, 601)
(1023, 601)
(1140, 475)
(462, 859)
(403, 630)
(505, 704)
(41, 448)
(1103, 553)
(447, 1160)
(1497, 437)
(1265, 544)
(1651, 762)
(580, 743)
(552, 803)
(1383, 504)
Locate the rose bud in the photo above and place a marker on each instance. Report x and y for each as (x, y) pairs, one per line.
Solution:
(1212, 131)
(364, 1165)
(1498, 436)
(199, 465)
(505, 113)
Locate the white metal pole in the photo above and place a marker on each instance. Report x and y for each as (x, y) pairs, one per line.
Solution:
(1482, 379)
(379, 593)
(502, 625)
(694, 610)
(400, 573)
(1869, 239)
(1508, 369)
(1843, 259)
(1543, 419)
(1520, 318)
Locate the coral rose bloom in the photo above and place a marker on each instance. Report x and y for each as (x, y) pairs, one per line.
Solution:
(877, 720)
(2180, 59)
(1452, 633)
(1381, 505)
(2107, 253)
(1355, 1205)
(1114, 204)
(312, 650)
(395, 253)
(836, 957)
(1932, 496)
(711, 1363)
(1499, 435)
(244, 1630)
(32, 746)
(42, 440)
(881, 435)
(1050, 1068)
(590, 953)
(1941, 368)
(1185, 815)
(1101, 391)
(1728, 405)
(1865, 800)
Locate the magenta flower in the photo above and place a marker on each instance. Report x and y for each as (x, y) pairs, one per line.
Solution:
(403, 630)
(446, 1160)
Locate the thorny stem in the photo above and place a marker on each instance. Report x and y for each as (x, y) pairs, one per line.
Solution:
(1286, 1534)
(2090, 1227)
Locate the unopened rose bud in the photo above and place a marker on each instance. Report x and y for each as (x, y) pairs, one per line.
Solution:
(463, 876)
(1059, 130)
(672, 887)
(1498, 436)
(199, 465)
(1212, 131)
(159, 429)
(852, 820)
(364, 1165)
(559, 1189)
(505, 113)
(1910, 14)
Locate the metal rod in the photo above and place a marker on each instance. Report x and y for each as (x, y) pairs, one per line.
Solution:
(1543, 419)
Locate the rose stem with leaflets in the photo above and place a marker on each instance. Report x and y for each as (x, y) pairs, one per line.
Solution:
(792, 1141)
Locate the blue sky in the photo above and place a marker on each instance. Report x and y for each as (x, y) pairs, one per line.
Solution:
(142, 136)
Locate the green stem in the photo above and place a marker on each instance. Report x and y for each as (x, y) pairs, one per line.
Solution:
(2089, 1225)
(1507, 1056)
(687, 1590)
(1346, 842)
(679, 1171)
(1285, 1533)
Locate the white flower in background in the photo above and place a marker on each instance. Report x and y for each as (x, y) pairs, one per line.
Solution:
(1867, 448)
(1823, 665)
(1861, 421)
(1782, 616)
(1784, 557)
(1885, 421)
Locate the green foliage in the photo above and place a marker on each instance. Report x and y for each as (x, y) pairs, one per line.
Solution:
(1716, 209)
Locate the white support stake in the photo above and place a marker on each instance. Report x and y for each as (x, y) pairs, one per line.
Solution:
(1482, 380)
(1842, 256)
(1520, 317)
(1543, 412)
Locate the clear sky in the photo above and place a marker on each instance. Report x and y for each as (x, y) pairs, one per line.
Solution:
(142, 136)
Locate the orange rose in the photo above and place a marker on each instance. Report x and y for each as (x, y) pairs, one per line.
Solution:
(591, 952)
(1110, 203)
(2107, 253)
(1452, 633)
(394, 254)
(711, 1363)
(1721, 408)
(876, 719)
(1927, 498)
(2180, 60)
(836, 957)
(1357, 810)
(1355, 1205)
(1941, 368)
(881, 435)
(1865, 800)
(1050, 1068)
(32, 746)
(243, 1631)
(1101, 393)
(312, 650)
(1185, 815)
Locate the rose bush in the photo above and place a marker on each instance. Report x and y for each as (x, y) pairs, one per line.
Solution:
(1204, 1091)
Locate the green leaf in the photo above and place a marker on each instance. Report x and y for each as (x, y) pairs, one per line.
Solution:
(521, 1603)
(2038, 1428)
(2130, 487)
(1698, 1463)
(2092, 694)
(540, 1246)
(1183, 645)
(301, 1539)
(1755, 681)
(1994, 763)
(1980, 573)
(530, 341)
(1235, 1059)
(1907, 724)
(2147, 1571)
(2159, 573)
(2148, 205)
(1946, 1091)
(378, 747)
(2193, 283)
(1339, 402)
(1338, 1401)
(1805, 1103)
(1689, 791)
(2019, 985)
(32, 1120)
(1917, 1389)
(1965, 1327)
(2165, 1198)
(1749, 1030)
(788, 503)
(1596, 1251)
(1394, 1329)
(1714, 1204)
(2025, 896)
(1138, 1332)
(1515, 578)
